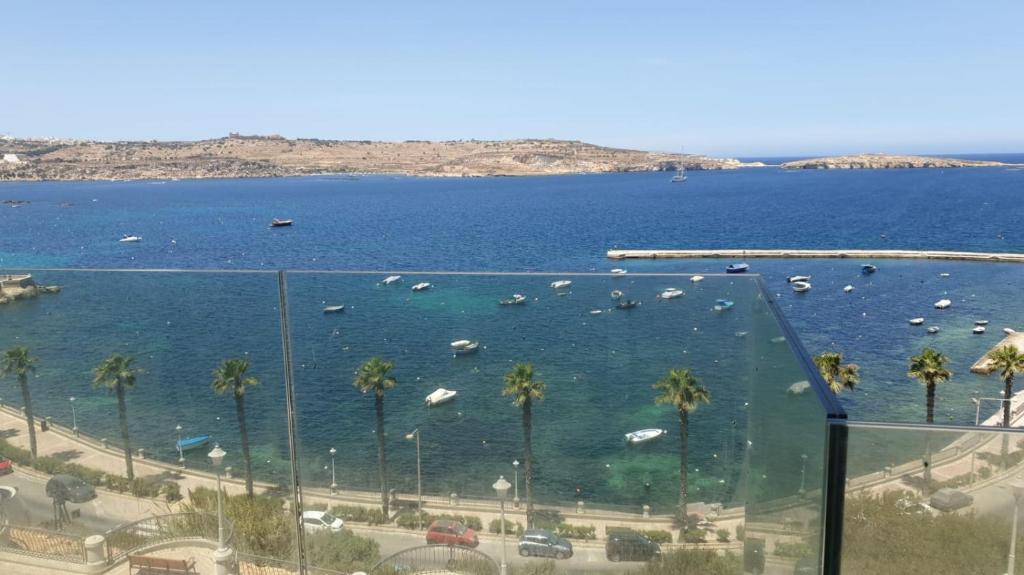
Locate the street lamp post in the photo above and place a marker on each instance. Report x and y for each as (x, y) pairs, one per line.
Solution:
(977, 406)
(515, 497)
(415, 434)
(1018, 491)
(501, 488)
(181, 451)
(217, 457)
(334, 480)
(74, 416)
(803, 472)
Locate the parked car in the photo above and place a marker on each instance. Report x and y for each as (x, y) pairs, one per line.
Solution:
(316, 521)
(543, 543)
(445, 532)
(631, 546)
(69, 488)
(948, 499)
(6, 466)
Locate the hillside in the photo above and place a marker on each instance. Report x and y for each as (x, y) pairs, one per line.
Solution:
(883, 161)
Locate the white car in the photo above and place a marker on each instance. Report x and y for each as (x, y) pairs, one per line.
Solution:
(316, 521)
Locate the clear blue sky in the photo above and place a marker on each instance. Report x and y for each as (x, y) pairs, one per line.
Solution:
(729, 78)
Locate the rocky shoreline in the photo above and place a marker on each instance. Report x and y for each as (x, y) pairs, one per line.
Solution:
(885, 162)
(14, 288)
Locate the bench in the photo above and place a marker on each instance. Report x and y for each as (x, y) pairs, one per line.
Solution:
(147, 565)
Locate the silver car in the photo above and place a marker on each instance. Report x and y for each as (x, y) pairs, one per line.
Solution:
(543, 543)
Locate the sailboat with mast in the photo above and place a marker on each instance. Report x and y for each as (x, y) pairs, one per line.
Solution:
(680, 172)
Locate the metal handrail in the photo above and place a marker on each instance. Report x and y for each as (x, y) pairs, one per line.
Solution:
(160, 529)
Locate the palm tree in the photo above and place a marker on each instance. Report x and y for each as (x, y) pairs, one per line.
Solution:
(682, 390)
(523, 389)
(1009, 361)
(19, 363)
(373, 376)
(930, 369)
(117, 374)
(836, 375)
(230, 376)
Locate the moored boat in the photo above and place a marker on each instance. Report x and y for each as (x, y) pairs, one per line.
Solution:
(723, 304)
(616, 294)
(390, 280)
(516, 299)
(464, 346)
(933, 329)
(981, 322)
(917, 321)
(737, 268)
(439, 396)
(943, 304)
(128, 239)
(422, 286)
(334, 309)
(628, 304)
(696, 279)
(794, 279)
(644, 435)
(618, 272)
(561, 284)
(670, 293)
(979, 329)
(847, 289)
(1009, 330)
(801, 287)
(190, 443)
(868, 268)
(276, 223)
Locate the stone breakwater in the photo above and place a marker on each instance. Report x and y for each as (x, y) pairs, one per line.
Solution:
(885, 161)
(15, 287)
(783, 253)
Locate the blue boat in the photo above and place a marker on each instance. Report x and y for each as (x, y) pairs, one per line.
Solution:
(190, 443)
(723, 304)
(736, 268)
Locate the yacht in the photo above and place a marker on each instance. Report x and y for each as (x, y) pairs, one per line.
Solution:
(561, 284)
(422, 286)
(130, 239)
(464, 347)
(644, 435)
(276, 223)
(390, 280)
(334, 309)
(439, 396)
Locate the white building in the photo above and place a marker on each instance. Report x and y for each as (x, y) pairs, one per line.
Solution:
(11, 159)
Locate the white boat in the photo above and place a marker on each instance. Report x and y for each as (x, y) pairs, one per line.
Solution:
(644, 435)
(334, 309)
(130, 239)
(979, 329)
(1009, 330)
(933, 329)
(680, 176)
(801, 287)
(944, 275)
(943, 304)
(440, 395)
(560, 284)
(516, 299)
(422, 286)
(390, 280)
(696, 279)
(616, 294)
(464, 346)
(847, 289)
(981, 322)
(670, 293)
(794, 279)
(917, 321)
(619, 272)
(596, 312)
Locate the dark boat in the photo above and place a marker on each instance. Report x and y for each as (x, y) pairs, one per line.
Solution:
(276, 223)
(868, 269)
(736, 268)
(628, 304)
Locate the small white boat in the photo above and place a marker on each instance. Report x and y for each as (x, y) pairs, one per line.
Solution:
(561, 284)
(670, 293)
(798, 387)
(979, 329)
(696, 279)
(390, 280)
(130, 239)
(778, 339)
(981, 322)
(516, 299)
(794, 279)
(440, 395)
(944, 275)
(933, 329)
(1009, 330)
(801, 287)
(644, 435)
(943, 304)
(847, 288)
(422, 286)
(464, 346)
(334, 309)
(616, 294)
(917, 321)
(596, 312)
(276, 223)
(619, 272)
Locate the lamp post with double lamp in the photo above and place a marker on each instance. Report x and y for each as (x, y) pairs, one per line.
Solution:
(415, 434)
(334, 480)
(217, 457)
(501, 488)
(181, 451)
(515, 496)
(74, 416)
(1017, 486)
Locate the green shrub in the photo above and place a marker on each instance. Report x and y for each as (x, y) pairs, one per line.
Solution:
(345, 552)
(740, 532)
(695, 536)
(548, 519)
(172, 492)
(117, 483)
(359, 514)
(511, 528)
(796, 550)
(723, 535)
(146, 486)
(471, 521)
(700, 561)
(547, 567)
(985, 472)
(319, 506)
(410, 520)
(262, 526)
(570, 531)
(656, 535)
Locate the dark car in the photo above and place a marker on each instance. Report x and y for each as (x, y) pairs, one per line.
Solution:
(69, 488)
(543, 543)
(445, 532)
(6, 466)
(631, 546)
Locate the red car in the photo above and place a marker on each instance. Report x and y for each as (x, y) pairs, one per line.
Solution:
(445, 532)
(6, 466)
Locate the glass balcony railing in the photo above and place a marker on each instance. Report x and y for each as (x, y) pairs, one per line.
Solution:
(366, 425)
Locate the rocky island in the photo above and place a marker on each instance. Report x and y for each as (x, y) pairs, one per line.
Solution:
(884, 161)
(238, 156)
(15, 287)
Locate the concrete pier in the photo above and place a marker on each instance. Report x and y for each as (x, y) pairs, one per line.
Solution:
(984, 365)
(784, 253)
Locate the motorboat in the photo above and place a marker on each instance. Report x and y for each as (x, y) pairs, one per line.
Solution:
(943, 304)
(723, 304)
(190, 443)
(917, 321)
(644, 435)
(847, 288)
(561, 284)
(794, 279)
(737, 268)
(933, 329)
(334, 309)
(464, 346)
(422, 286)
(1009, 330)
(981, 322)
(944, 275)
(670, 293)
(616, 294)
(516, 299)
(801, 286)
(696, 279)
(439, 396)
(276, 223)
(130, 239)
(618, 272)
(628, 304)
(868, 269)
(596, 312)
(390, 280)
(979, 329)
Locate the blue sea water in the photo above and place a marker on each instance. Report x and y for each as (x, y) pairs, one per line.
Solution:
(555, 224)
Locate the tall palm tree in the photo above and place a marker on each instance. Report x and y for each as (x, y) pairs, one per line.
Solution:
(837, 375)
(373, 376)
(683, 391)
(17, 362)
(524, 390)
(1009, 361)
(117, 374)
(230, 376)
(930, 369)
